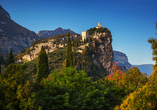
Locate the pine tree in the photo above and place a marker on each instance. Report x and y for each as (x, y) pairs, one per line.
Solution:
(42, 65)
(69, 56)
(11, 58)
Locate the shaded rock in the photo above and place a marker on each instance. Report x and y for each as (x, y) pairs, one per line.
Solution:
(13, 36)
(121, 59)
(103, 55)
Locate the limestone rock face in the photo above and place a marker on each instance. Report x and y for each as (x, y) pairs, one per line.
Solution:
(18, 43)
(103, 56)
(49, 46)
(121, 59)
(13, 36)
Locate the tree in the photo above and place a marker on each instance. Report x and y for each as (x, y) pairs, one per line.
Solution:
(70, 90)
(145, 98)
(133, 79)
(0, 67)
(42, 65)
(11, 58)
(69, 56)
(10, 80)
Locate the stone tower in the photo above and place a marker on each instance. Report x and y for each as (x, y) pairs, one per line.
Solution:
(99, 25)
(84, 35)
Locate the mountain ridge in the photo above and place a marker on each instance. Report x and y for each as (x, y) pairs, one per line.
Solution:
(12, 35)
(50, 33)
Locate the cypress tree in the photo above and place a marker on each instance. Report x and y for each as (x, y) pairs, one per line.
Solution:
(69, 56)
(0, 67)
(42, 65)
(11, 58)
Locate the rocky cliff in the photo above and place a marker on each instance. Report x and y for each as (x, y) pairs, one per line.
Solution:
(13, 36)
(121, 59)
(48, 34)
(50, 44)
(103, 53)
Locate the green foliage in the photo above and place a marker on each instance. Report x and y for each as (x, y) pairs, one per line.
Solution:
(133, 79)
(0, 67)
(80, 62)
(4, 59)
(25, 96)
(71, 90)
(11, 58)
(99, 30)
(42, 65)
(10, 80)
(145, 97)
(37, 42)
(69, 56)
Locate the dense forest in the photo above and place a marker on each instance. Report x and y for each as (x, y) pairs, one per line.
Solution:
(79, 85)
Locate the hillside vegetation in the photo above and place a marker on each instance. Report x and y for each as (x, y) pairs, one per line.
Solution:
(82, 86)
(99, 30)
(56, 59)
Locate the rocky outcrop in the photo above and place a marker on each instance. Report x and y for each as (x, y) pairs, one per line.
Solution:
(121, 59)
(3, 12)
(48, 34)
(50, 45)
(13, 36)
(103, 55)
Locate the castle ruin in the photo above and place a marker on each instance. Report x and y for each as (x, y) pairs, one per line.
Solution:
(85, 34)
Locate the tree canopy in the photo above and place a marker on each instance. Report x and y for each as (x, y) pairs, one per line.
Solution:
(42, 65)
(69, 54)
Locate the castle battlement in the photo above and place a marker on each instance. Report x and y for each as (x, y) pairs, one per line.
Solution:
(85, 34)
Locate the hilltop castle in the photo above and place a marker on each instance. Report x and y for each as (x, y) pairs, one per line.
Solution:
(85, 34)
(99, 26)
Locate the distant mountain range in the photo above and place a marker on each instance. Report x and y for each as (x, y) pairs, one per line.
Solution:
(15, 37)
(145, 68)
(122, 60)
(50, 33)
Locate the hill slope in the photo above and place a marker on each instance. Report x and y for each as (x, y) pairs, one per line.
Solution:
(12, 35)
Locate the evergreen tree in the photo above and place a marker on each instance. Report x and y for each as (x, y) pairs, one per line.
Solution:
(11, 58)
(0, 67)
(42, 65)
(69, 56)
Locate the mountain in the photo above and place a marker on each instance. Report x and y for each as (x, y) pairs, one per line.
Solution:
(145, 68)
(48, 34)
(99, 47)
(121, 59)
(12, 35)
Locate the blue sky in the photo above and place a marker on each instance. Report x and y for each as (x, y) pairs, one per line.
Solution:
(131, 22)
